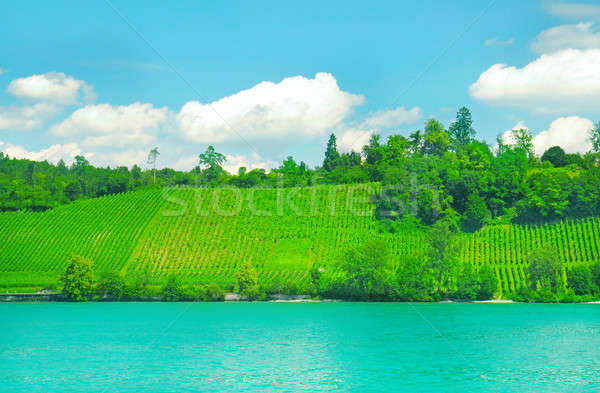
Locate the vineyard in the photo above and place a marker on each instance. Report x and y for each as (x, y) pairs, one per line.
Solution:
(202, 235)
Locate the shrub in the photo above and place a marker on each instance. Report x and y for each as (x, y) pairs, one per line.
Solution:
(112, 286)
(173, 290)
(215, 293)
(78, 279)
(581, 281)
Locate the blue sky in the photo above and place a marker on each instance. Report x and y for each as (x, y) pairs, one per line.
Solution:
(77, 79)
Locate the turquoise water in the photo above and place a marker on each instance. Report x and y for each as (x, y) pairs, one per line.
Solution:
(163, 347)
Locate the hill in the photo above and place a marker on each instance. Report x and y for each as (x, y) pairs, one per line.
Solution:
(202, 234)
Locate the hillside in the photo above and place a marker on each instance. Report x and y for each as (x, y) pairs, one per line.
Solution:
(202, 234)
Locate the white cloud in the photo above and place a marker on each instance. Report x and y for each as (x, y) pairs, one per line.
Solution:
(393, 117)
(567, 80)
(295, 107)
(579, 36)
(495, 41)
(575, 11)
(26, 117)
(55, 87)
(571, 133)
(354, 140)
(508, 137)
(53, 153)
(105, 125)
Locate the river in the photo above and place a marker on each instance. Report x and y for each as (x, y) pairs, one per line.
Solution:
(361, 347)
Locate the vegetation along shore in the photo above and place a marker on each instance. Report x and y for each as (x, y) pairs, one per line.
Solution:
(436, 215)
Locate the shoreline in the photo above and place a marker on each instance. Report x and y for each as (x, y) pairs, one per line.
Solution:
(237, 298)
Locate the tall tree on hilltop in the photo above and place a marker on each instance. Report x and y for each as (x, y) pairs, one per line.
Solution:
(524, 141)
(436, 139)
(461, 131)
(152, 156)
(211, 158)
(331, 154)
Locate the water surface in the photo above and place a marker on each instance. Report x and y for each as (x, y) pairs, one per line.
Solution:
(176, 347)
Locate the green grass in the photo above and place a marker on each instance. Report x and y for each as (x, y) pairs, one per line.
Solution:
(202, 234)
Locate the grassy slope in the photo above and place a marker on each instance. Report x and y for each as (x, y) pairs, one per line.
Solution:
(202, 234)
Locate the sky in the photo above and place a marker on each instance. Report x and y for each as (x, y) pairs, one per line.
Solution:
(263, 80)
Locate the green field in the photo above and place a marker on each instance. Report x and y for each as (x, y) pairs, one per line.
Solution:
(202, 234)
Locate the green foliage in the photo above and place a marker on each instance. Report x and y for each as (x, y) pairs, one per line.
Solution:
(545, 269)
(556, 155)
(331, 154)
(581, 280)
(461, 131)
(366, 270)
(173, 290)
(247, 278)
(112, 286)
(215, 293)
(78, 279)
(476, 214)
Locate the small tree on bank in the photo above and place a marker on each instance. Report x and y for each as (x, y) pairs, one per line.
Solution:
(247, 279)
(78, 279)
(545, 269)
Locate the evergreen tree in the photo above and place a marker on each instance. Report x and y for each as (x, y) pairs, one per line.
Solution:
(331, 154)
(461, 131)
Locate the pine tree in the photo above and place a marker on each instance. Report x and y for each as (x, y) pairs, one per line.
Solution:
(461, 131)
(331, 154)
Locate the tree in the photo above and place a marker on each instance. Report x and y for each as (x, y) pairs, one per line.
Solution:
(476, 213)
(524, 141)
(152, 156)
(247, 277)
(544, 269)
(367, 270)
(331, 154)
(555, 155)
(461, 131)
(172, 290)
(78, 279)
(436, 139)
(211, 158)
(443, 258)
(111, 285)
(595, 137)
(581, 280)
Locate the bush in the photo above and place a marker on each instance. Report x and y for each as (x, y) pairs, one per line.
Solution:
(581, 281)
(247, 277)
(173, 290)
(195, 293)
(111, 286)
(215, 293)
(544, 269)
(78, 279)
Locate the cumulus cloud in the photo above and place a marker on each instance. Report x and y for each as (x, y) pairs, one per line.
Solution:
(571, 133)
(508, 137)
(579, 36)
(104, 125)
(26, 117)
(393, 117)
(562, 81)
(354, 140)
(52, 154)
(495, 41)
(574, 11)
(55, 87)
(295, 107)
